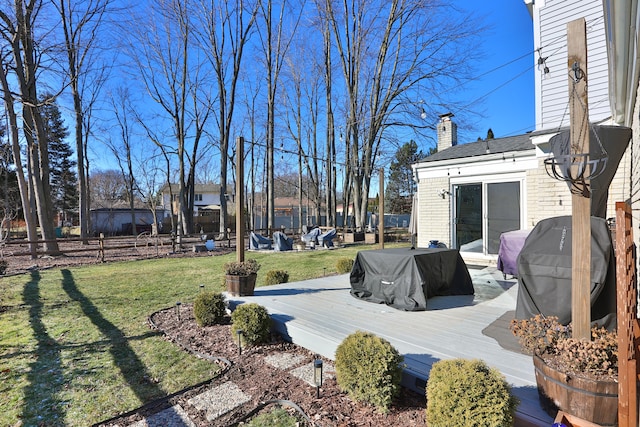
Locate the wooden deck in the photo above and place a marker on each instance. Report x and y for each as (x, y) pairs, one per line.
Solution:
(318, 314)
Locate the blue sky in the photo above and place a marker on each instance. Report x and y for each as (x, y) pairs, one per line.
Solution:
(507, 94)
(502, 98)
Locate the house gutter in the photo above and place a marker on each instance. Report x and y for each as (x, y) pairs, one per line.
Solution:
(622, 21)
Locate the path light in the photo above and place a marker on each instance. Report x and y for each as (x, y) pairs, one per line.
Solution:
(324, 271)
(239, 332)
(178, 304)
(317, 375)
(201, 287)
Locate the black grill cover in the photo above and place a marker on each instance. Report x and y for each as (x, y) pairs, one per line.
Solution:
(406, 278)
(544, 268)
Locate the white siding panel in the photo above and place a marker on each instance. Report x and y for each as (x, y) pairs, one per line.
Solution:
(553, 17)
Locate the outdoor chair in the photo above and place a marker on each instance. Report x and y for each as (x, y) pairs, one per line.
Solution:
(258, 242)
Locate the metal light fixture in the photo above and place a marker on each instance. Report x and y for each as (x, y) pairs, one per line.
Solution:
(201, 287)
(178, 304)
(317, 375)
(239, 332)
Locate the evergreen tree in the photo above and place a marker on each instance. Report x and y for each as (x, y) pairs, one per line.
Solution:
(401, 186)
(490, 134)
(62, 175)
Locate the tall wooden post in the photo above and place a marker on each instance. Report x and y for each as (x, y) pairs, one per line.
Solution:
(580, 202)
(240, 199)
(381, 210)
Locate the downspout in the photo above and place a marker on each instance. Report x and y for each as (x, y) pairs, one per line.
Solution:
(621, 30)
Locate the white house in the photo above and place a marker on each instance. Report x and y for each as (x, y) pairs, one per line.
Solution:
(468, 194)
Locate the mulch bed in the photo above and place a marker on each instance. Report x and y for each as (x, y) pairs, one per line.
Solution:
(264, 382)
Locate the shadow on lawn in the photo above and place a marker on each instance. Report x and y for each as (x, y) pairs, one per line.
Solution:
(131, 367)
(45, 377)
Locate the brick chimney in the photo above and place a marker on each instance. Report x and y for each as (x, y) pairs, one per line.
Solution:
(447, 132)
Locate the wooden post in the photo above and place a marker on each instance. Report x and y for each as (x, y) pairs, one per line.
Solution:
(239, 199)
(627, 317)
(101, 246)
(381, 210)
(580, 203)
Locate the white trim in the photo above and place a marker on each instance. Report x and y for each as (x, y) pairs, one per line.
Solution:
(484, 166)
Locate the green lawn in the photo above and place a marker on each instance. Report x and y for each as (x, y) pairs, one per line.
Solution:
(75, 346)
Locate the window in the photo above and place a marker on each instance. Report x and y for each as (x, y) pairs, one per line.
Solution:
(198, 197)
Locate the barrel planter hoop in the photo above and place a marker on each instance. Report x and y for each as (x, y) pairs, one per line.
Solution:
(595, 401)
(241, 286)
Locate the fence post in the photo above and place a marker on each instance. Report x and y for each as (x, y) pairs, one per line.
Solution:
(101, 243)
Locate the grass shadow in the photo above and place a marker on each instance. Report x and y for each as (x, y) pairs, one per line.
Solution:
(45, 378)
(126, 360)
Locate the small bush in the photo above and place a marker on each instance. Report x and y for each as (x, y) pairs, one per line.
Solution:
(209, 308)
(3, 266)
(275, 277)
(368, 369)
(344, 265)
(254, 321)
(469, 393)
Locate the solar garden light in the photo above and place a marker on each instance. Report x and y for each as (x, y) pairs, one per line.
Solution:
(201, 287)
(239, 332)
(178, 304)
(317, 375)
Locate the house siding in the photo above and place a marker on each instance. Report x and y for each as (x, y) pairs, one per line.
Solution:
(634, 161)
(433, 212)
(550, 28)
(546, 197)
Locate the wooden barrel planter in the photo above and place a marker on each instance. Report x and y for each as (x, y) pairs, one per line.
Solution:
(591, 400)
(241, 286)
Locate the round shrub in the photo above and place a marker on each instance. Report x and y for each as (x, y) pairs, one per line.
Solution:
(209, 308)
(368, 369)
(254, 321)
(470, 393)
(344, 265)
(275, 277)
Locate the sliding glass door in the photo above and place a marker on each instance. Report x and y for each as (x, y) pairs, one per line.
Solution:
(482, 212)
(468, 217)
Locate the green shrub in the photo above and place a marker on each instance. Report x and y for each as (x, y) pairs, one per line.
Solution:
(468, 393)
(277, 417)
(275, 277)
(254, 321)
(209, 308)
(344, 265)
(368, 369)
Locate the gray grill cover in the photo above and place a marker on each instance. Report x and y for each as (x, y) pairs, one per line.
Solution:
(544, 268)
(404, 278)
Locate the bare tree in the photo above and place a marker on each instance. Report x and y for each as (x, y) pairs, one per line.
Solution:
(226, 29)
(19, 32)
(81, 22)
(275, 45)
(390, 52)
(122, 148)
(28, 204)
(168, 63)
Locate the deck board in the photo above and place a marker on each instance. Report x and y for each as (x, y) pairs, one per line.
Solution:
(318, 314)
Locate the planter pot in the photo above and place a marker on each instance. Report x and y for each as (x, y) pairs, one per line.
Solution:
(241, 286)
(591, 400)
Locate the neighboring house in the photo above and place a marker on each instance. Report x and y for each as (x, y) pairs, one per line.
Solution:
(206, 206)
(206, 198)
(468, 194)
(111, 221)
